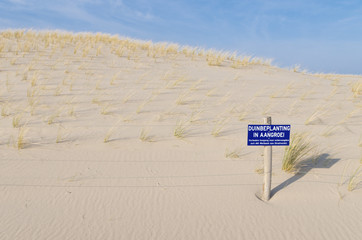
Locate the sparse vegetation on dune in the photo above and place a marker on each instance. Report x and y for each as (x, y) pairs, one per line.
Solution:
(117, 78)
(89, 44)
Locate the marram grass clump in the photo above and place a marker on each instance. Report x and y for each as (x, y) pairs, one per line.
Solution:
(299, 147)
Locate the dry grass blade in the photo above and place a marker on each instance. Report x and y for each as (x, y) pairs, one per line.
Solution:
(355, 179)
(108, 134)
(316, 117)
(106, 109)
(61, 134)
(232, 153)
(182, 98)
(219, 126)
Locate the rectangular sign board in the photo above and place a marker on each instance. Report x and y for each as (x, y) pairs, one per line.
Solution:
(268, 135)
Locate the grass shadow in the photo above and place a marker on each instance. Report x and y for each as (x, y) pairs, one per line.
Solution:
(304, 167)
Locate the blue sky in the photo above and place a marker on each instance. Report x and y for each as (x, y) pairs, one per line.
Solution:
(319, 35)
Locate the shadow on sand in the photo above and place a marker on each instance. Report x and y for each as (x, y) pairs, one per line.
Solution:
(304, 167)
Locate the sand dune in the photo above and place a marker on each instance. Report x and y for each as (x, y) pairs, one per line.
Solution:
(111, 138)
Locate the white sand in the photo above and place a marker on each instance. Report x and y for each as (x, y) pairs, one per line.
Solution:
(166, 187)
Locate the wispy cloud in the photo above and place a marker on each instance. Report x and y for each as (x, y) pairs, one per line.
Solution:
(78, 15)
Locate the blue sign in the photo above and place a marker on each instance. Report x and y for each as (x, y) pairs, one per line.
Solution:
(268, 135)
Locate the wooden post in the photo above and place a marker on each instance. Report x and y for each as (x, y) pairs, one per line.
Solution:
(267, 166)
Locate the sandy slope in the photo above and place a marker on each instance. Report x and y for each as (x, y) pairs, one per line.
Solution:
(67, 183)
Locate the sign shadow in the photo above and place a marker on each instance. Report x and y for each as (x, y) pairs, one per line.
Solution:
(304, 167)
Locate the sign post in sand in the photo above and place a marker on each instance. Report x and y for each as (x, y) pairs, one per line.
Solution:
(268, 135)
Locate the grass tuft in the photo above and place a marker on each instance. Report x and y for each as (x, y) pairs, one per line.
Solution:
(232, 153)
(316, 117)
(181, 129)
(182, 98)
(219, 126)
(355, 179)
(106, 109)
(17, 120)
(298, 148)
(5, 110)
(145, 136)
(357, 89)
(21, 137)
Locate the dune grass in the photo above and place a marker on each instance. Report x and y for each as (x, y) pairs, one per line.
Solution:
(60, 134)
(232, 153)
(92, 45)
(298, 148)
(105, 109)
(17, 120)
(183, 98)
(109, 134)
(180, 130)
(21, 137)
(355, 179)
(145, 136)
(316, 117)
(357, 89)
(219, 126)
